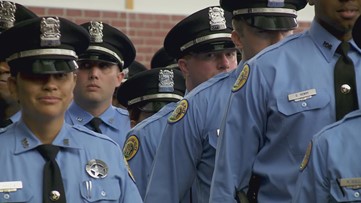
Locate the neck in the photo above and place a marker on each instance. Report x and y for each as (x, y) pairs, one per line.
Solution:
(45, 129)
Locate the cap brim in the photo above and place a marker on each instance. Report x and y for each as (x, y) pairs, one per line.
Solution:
(272, 22)
(215, 45)
(98, 56)
(42, 66)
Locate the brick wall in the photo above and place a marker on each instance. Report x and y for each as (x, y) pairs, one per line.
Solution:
(146, 31)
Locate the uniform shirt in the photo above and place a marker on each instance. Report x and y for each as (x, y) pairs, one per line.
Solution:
(16, 117)
(22, 162)
(116, 122)
(264, 128)
(334, 164)
(147, 134)
(187, 150)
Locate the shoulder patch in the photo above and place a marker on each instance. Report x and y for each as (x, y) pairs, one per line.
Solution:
(178, 112)
(129, 170)
(131, 147)
(242, 78)
(306, 158)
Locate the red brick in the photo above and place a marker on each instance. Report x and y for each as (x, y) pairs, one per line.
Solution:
(55, 11)
(74, 13)
(38, 11)
(92, 14)
(108, 14)
(146, 17)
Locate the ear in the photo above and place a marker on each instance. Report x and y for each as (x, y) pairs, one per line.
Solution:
(12, 87)
(183, 66)
(236, 40)
(120, 77)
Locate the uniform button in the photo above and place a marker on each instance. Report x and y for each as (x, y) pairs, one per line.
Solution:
(345, 89)
(357, 194)
(304, 104)
(54, 195)
(103, 193)
(6, 196)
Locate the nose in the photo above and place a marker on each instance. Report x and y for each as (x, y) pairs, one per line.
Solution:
(50, 83)
(93, 73)
(223, 61)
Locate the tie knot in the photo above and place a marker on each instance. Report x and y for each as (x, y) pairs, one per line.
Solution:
(343, 48)
(48, 151)
(95, 123)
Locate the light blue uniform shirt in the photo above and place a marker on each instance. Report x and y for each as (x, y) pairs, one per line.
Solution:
(266, 130)
(334, 164)
(116, 122)
(187, 150)
(148, 132)
(22, 162)
(16, 117)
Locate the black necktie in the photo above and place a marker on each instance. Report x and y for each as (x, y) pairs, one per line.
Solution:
(4, 123)
(345, 83)
(95, 123)
(53, 189)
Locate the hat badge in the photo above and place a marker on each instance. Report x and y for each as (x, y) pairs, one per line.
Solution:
(7, 14)
(166, 82)
(96, 31)
(50, 32)
(217, 20)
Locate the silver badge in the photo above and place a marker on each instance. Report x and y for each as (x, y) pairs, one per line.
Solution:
(50, 32)
(166, 83)
(216, 18)
(97, 168)
(96, 31)
(7, 14)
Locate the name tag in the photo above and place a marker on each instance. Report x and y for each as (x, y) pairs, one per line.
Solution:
(10, 186)
(299, 96)
(350, 182)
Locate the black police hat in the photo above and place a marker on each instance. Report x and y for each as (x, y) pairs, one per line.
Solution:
(133, 69)
(266, 14)
(159, 84)
(44, 45)
(162, 59)
(108, 44)
(206, 30)
(356, 32)
(12, 13)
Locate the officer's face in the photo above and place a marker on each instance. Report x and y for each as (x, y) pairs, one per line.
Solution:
(96, 82)
(43, 96)
(337, 16)
(4, 90)
(199, 67)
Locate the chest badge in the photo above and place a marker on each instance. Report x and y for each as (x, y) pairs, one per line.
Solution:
(97, 168)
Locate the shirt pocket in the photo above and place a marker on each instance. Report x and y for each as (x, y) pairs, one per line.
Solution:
(344, 194)
(20, 195)
(100, 190)
(289, 108)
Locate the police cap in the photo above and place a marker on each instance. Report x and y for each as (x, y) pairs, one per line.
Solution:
(133, 69)
(356, 32)
(203, 31)
(11, 13)
(162, 59)
(43, 45)
(108, 44)
(159, 84)
(266, 14)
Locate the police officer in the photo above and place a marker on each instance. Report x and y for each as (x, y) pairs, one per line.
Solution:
(203, 46)
(10, 13)
(100, 71)
(328, 169)
(282, 97)
(146, 134)
(69, 163)
(147, 92)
